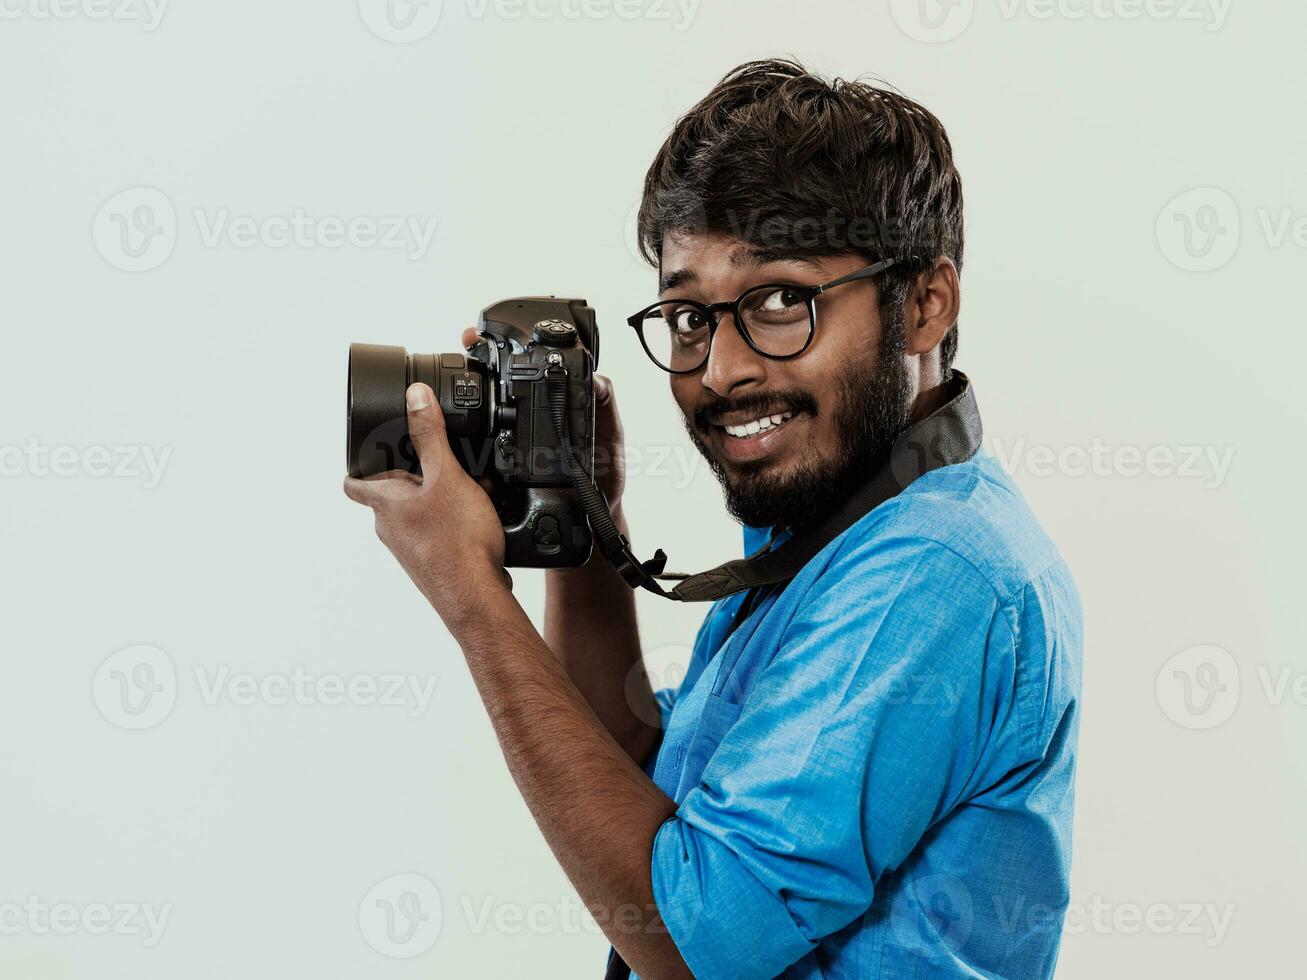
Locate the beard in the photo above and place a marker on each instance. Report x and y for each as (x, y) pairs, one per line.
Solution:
(872, 408)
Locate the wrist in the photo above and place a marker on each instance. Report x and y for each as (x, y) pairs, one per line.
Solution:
(480, 587)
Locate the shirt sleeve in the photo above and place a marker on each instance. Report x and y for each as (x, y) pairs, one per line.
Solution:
(890, 699)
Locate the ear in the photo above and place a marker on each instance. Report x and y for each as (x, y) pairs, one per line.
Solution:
(930, 309)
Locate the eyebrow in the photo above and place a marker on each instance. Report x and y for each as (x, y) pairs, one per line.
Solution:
(750, 258)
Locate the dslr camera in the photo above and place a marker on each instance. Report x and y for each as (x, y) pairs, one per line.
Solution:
(519, 410)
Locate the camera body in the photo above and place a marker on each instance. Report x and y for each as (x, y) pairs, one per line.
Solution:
(496, 402)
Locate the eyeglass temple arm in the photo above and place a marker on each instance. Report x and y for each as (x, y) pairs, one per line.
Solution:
(867, 273)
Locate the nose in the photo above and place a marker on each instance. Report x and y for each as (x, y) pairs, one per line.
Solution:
(732, 364)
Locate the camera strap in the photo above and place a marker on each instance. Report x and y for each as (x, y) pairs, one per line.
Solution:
(949, 435)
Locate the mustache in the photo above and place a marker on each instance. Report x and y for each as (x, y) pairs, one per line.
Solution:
(761, 403)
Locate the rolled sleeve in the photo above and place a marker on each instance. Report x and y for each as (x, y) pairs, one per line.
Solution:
(888, 699)
(747, 932)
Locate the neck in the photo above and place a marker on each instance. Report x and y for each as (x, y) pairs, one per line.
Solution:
(929, 399)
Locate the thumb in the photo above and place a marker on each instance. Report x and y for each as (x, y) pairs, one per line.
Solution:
(426, 427)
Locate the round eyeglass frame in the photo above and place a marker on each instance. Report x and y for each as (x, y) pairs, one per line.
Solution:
(712, 311)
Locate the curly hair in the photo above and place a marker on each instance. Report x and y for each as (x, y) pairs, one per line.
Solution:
(799, 165)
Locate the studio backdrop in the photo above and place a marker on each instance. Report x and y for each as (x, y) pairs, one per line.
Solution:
(234, 739)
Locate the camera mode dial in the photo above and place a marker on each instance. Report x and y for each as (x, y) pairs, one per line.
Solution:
(554, 333)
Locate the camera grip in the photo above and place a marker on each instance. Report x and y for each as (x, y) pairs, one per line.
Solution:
(552, 533)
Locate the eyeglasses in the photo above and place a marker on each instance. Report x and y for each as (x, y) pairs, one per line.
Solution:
(777, 320)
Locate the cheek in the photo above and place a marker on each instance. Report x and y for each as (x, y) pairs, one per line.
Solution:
(825, 437)
(684, 392)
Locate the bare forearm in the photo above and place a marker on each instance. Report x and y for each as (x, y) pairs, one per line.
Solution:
(590, 625)
(597, 810)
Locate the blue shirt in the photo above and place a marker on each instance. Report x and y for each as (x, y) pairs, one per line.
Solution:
(874, 772)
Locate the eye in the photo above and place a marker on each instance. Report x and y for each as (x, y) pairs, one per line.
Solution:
(687, 324)
(779, 300)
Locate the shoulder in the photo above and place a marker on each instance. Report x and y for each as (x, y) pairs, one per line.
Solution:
(959, 558)
(971, 513)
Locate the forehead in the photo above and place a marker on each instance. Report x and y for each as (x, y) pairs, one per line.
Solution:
(715, 258)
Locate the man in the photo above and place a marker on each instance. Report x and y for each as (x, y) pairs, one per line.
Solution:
(868, 771)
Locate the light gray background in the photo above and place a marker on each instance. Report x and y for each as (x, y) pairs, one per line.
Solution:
(1136, 194)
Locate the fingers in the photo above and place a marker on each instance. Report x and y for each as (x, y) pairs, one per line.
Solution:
(606, 418)
(360, 491)
(426, 427)
(470, 336)
(371, 489)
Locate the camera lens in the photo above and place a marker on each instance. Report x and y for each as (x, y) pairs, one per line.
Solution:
(377, 438)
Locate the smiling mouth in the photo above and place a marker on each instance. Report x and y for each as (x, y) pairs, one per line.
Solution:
(757, 427)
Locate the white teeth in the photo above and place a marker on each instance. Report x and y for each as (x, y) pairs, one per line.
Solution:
(758, 425)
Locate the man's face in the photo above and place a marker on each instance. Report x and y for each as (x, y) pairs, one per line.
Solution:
(848, 395)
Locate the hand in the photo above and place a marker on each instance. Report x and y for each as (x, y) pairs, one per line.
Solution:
(610, 458)
(442, 528)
